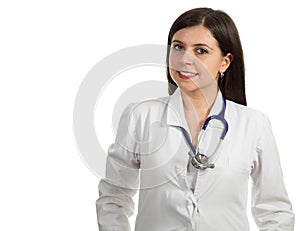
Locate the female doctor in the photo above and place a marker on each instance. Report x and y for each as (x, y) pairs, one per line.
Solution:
(192, 153)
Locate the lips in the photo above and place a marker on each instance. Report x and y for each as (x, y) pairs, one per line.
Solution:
(187, 74)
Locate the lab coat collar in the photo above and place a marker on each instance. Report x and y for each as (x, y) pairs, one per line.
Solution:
(175, 111)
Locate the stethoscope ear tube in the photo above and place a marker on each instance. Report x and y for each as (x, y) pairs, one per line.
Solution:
(199, 160)
(220, 117)
(217, 117)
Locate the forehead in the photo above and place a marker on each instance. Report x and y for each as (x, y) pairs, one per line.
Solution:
(195, 35)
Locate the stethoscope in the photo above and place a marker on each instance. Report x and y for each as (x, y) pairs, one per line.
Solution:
(201, 160)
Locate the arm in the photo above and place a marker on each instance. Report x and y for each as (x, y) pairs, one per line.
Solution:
(271, 207)
(115, 203)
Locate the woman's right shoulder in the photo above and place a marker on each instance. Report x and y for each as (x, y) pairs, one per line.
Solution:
(147, 106)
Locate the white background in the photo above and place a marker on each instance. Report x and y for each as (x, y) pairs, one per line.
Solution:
(47, 48)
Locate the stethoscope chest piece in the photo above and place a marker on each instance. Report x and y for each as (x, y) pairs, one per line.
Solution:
(200, 161)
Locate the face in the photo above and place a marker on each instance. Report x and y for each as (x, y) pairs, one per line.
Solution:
(196, 59)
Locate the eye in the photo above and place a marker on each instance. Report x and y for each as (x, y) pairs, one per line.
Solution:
(201, 51)
(177, 47)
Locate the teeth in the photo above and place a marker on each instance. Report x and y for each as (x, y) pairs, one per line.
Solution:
(189, 74)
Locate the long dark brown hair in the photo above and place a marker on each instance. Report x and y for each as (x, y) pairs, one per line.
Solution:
(225, 32)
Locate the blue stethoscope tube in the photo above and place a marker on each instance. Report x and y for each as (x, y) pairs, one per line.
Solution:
(200, 160)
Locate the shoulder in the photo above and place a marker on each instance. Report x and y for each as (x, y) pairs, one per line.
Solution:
(247, 123)
(245, 114)
(153, 105)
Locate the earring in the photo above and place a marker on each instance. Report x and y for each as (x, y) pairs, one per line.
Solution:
(221, 75)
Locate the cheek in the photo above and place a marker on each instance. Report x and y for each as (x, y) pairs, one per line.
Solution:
(173, 67)
(213, 67)
(173, 74)
(173, 61)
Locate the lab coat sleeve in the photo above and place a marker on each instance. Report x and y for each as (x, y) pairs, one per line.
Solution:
(115, 203)
(271, 207)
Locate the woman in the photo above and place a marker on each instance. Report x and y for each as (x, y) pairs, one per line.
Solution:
(191, 154)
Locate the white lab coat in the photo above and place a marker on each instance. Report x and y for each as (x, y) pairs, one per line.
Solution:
(151, 153)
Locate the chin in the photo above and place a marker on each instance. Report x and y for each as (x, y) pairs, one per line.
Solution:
(187, 87)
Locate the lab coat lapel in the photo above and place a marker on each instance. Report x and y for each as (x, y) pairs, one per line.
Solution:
(175, 112)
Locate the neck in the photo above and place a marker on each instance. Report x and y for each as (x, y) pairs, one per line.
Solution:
(199, 101)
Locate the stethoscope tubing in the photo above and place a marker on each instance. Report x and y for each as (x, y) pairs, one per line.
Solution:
(193, 152)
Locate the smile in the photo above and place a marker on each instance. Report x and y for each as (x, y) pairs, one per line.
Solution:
(186, 74)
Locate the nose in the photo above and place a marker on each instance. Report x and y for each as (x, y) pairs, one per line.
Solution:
(187, 58)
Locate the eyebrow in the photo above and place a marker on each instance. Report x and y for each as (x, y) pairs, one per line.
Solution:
(195, 45)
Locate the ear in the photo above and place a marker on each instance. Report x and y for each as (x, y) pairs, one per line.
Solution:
(226, 60)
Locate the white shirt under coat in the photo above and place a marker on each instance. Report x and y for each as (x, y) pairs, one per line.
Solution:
(151, 154)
